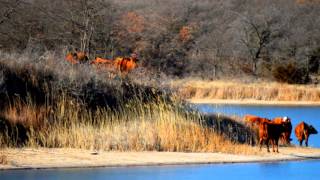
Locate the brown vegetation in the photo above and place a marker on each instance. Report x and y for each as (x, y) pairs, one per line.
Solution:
(3, 159)
(44, 107)
(265, 91)
(290, 74)
(179, 38)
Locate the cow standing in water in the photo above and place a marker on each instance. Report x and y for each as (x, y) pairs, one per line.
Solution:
(303, 131)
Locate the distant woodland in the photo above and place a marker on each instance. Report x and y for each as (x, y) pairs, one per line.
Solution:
(209, 39)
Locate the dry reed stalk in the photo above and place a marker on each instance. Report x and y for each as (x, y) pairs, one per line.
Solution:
(148, 127)
(3, 159)
(239, 91)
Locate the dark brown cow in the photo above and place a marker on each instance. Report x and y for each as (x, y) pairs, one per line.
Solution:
(286, 121)
(303, 131)
(270, 131)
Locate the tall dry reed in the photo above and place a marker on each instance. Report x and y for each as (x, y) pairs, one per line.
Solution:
(267, 91)
(137, 127)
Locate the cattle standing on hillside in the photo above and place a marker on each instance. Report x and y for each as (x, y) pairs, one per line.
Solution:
(77, 57)
(303, 131)
(125, 65)
(103, 63)
(286, 121)
(120, 64)
(270, 131)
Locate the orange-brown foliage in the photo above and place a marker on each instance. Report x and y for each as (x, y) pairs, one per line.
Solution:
(133, 22)
(307, 1)
(185, 33)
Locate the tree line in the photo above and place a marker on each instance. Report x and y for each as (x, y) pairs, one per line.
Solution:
(200, 38)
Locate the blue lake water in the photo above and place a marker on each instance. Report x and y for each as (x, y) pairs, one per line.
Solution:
(261, 171)
(308, 114)
(256, 171)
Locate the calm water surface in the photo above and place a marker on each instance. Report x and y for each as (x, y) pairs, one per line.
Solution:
(309, 114)
(256, 171)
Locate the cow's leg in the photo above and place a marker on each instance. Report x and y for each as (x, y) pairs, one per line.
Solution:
(283, 138)
(300, 142)
(267, 143)
(260, 142)
(277, 145)
(307, 139)
(273, 144)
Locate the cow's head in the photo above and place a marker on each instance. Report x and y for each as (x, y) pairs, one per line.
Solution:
(82, 57)
(134, 57)
(312, 130)
(286, 119)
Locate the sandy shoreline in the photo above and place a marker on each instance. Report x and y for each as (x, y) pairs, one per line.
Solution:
(254, 102)
(44, 158)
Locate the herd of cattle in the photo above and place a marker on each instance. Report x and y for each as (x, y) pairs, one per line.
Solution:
(122, 65)
(270, 131)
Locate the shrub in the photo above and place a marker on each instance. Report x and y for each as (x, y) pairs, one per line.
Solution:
(314, 61)
(291, 74)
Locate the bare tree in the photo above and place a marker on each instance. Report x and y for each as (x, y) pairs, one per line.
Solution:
(10, 9)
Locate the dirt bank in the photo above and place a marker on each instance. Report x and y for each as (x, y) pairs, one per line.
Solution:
(75, 158)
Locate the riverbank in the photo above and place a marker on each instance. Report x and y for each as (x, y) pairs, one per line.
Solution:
(44, 158)
(253, 102)
(233, 92)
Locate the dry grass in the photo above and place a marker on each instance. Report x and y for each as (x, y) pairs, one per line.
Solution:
(266, 91)
(3, 159)
(138, 127)
(50, 104)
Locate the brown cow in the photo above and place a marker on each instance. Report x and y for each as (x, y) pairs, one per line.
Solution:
(270, 131)
(77, 57)
(303, 131)
(122, 65)
(286, 121)
(103, 63)
(125, 65)
(252, 119)
(267, 129)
